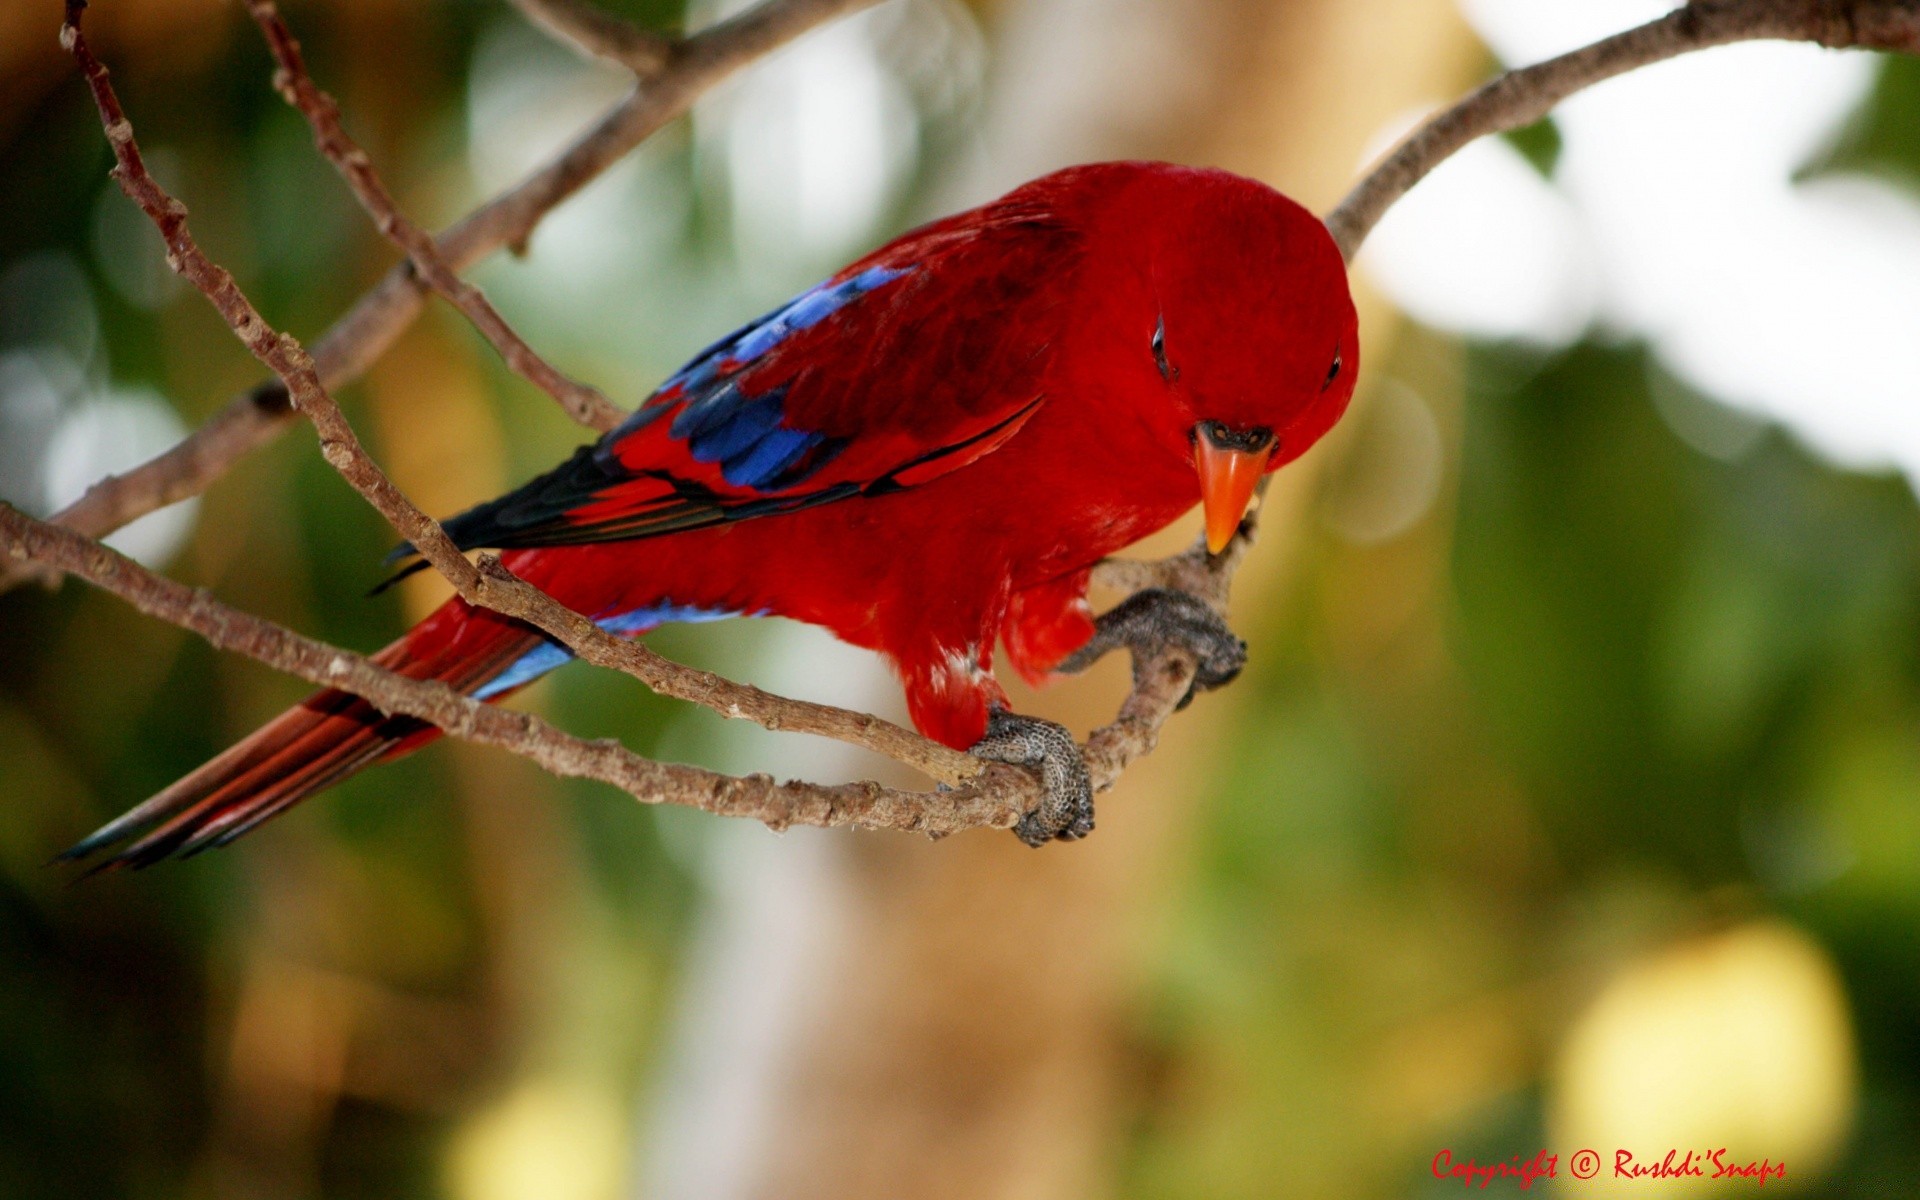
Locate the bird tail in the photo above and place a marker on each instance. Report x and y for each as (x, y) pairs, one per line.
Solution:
(327, 737)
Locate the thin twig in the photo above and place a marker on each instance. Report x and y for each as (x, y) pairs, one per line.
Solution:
(1513, 100)
(365, 332)
(996, 798)
(597, 33)
(489, 584)
(377, 319)
(584, 404)
(1525, 95)
(1521, 97)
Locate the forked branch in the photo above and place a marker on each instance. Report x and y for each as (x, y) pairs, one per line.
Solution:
(1521, 97)
(365, 332)
(584, 404)
(488, 584)
(693, 64)
(597, 34)
(995, 796)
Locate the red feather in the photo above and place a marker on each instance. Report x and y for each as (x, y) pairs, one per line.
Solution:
(925, 454)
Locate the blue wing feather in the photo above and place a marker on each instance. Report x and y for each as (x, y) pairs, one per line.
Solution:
(768, 458)
(721, 422)
(742, 432)
(732, 431)
(750, 426)
(705, 392)
(731, 411)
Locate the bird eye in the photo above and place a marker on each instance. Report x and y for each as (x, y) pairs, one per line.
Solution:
(1333, 372)
(1160, 351)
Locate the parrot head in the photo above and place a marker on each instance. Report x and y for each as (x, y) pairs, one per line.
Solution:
(1228, 306)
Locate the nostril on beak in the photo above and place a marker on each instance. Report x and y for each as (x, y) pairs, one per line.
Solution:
(1230, 463)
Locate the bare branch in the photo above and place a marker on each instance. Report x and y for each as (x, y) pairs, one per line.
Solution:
(1523, 96)
(378, 318)
(1159, 684)
(584, 404)
(596, 33)
(365, 331)
(996, 799)
(1511, 101)
(990, 797)
(489, 585)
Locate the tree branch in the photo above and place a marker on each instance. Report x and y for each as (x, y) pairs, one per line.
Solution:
(696, 63)
(377, 319)
(596, 33)
(489, 585)
(584, 404)
(1523, 96)
(996, 799)
(994, 796)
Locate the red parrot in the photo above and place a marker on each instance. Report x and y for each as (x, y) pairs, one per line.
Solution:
(925, 454)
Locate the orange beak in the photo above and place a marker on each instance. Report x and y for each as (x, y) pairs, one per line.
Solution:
(1227, 479)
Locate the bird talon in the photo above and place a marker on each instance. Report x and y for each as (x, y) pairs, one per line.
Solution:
(1066, 805)
(1155, 618)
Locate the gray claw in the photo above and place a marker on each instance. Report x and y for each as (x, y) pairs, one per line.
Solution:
(1152, 619)
(1066, 809)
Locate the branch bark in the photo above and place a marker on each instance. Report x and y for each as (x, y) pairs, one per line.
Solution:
(694, 64)
(1521, 97)
(997, 798)
(584, 404)
(488, 584)
(596, 33)
(370, 327)
(990, 797)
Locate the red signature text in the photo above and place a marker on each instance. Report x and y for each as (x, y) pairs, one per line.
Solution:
(1697, 1164)
(1586, 1164)
(1471, 1173)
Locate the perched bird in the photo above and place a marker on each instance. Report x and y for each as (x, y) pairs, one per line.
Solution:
(925, 454)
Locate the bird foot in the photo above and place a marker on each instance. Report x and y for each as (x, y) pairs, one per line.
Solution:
(1153, 619)
(1066, 810)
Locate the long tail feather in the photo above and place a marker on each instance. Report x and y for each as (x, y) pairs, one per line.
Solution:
(326, 738)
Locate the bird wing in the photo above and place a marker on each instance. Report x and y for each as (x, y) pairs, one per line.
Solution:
(910, 363)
